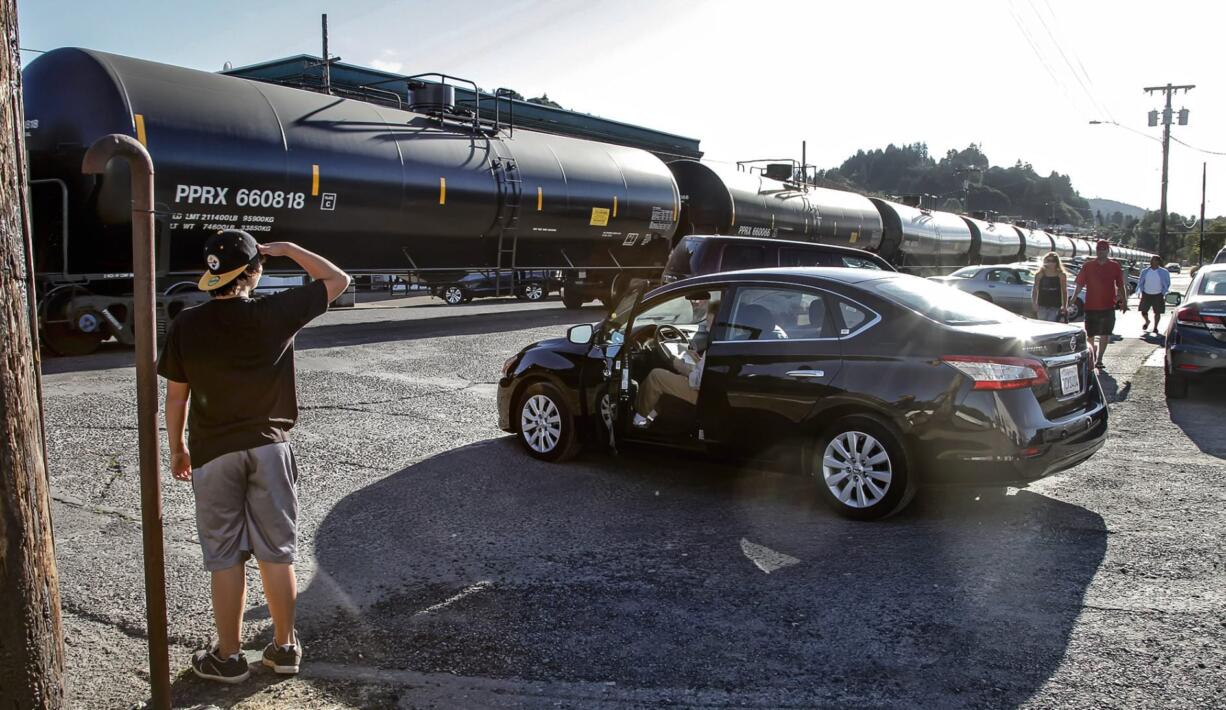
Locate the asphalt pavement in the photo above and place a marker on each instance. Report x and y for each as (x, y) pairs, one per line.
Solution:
(442, 567)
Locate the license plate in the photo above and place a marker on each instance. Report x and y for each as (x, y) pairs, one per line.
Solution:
(1070, 380)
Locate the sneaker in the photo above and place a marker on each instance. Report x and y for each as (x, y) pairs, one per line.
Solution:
(641, 422)
(207, 664)
(284, 659)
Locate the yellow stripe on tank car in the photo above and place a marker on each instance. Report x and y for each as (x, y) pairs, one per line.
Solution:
(314, 180)
(615, 205)
(442, 191)
(140, 128)
(540, 199)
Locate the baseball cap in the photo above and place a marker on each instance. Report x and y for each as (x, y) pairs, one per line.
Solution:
(1102, 244)
(227, 254)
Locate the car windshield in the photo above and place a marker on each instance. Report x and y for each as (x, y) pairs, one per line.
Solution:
(941, 303)
(1213, 283)
(966, 272)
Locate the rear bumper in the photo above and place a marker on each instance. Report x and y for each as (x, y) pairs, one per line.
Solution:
(1001, 438)
(1194, 359)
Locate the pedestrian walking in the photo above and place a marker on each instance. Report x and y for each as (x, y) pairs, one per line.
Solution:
(1103, 281)
(1153, 285)
(231, 362)
(1050, 294)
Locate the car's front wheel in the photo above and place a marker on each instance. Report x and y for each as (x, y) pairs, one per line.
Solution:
(861, 468)
(453, 295)
(547, 427)
(533, 292)
(1076, 309)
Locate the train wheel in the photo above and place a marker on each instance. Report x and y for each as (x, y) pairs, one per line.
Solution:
(71, 331)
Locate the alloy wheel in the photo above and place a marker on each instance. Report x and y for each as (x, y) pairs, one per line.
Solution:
(534, 292)
(453, 295)
(540, 423)
(857, 469)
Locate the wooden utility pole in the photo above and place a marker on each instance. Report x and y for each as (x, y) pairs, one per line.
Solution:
(31, 639)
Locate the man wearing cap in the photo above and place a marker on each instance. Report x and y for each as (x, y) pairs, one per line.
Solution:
(1103, 281)
(232, 360)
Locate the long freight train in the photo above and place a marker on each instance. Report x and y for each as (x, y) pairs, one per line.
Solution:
(430, 189)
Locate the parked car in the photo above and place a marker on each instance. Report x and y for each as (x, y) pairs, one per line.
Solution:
(1196, 336)
(1173, 267)
(1221, 256)
(527, 286)
(1007, 285)
(869, 381)
(700, 254)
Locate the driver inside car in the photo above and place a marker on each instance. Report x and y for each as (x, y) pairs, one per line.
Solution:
(683, 379)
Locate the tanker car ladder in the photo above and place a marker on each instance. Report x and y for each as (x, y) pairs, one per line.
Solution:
(510, 188)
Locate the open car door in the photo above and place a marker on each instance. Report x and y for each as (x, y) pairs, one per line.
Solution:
(617, 400)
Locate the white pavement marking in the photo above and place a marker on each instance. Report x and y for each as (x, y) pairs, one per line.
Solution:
(467, 591)
(1156, 359)
(766, 559)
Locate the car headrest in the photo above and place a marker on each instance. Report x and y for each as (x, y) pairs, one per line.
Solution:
(817, 314)
(759, 321)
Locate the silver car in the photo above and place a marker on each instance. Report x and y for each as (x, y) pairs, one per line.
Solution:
(1007, 285)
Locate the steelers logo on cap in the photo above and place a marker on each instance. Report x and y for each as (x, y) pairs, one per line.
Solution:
(213, 262)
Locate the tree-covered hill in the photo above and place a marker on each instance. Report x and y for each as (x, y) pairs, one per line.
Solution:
(963, 180)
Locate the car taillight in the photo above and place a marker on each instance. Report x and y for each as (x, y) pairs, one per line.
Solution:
(999, 373)
(1192, 317)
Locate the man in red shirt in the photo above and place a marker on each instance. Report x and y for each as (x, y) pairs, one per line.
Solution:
(1103, 281)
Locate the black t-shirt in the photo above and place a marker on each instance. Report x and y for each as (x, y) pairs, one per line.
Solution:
(237, 355)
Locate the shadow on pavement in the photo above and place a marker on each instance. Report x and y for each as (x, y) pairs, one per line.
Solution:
(633, 571)
(1112, 389)
(1200, 415)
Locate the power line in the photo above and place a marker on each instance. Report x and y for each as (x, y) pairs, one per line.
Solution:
(1199, 150)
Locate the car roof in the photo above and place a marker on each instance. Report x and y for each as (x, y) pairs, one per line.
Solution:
(798, 275)
(839, 248)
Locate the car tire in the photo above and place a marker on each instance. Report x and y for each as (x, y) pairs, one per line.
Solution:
(572, 298)
(532, 292)
(453, 295)
(890, 485)
(1076, 309)
(544, 424)
(1175, 385)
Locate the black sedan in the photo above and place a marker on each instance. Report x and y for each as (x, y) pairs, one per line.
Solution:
(1196, 336)
(871, 382)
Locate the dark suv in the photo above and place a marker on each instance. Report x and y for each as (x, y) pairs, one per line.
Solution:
(700, 254)
(526, 286)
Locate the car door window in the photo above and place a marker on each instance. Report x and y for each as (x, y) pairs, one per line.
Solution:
(854, 318)
(998, 276)
(744, 256)
(776, 313)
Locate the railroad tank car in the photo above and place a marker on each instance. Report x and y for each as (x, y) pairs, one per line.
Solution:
(374, 189)
(927, 240)
(718, 200)
(1062, 245)
(993, 242)
(1034, 242)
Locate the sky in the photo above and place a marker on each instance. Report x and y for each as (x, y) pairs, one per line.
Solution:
(1021, 78)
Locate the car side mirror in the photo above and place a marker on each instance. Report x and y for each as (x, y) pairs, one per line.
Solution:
(581, 334)
(1174, 299)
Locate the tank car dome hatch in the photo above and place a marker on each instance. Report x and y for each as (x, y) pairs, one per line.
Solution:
(431, 97)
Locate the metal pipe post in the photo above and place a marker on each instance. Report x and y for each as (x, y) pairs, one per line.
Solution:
(1200, 250)
(327, 64)
(141, 166)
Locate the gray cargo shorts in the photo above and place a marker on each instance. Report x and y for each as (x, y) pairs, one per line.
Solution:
(247, 503)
